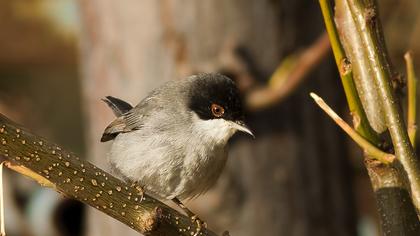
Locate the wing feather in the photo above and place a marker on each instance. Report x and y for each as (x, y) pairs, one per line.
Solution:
(131, 120)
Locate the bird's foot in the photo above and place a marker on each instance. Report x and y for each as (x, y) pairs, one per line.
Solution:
(200, 224)
(134, 184)
(194, 218)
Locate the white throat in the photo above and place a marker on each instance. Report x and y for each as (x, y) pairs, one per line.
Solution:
(218, 131)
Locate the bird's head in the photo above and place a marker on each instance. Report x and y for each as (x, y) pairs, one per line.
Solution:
(215, 100)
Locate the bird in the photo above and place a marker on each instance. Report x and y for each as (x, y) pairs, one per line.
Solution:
(174, 142)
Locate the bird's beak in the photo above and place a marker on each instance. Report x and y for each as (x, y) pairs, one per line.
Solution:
(241, 126)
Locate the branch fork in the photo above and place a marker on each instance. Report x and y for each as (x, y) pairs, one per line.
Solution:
(371, 150)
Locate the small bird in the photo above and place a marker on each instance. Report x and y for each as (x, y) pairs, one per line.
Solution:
(174, 142)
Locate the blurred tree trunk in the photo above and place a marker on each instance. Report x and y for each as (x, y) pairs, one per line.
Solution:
(293, 178)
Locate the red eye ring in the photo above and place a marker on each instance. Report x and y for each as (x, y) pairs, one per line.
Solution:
(217, 110)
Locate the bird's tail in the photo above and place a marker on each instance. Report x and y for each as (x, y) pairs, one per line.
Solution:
(117, 105)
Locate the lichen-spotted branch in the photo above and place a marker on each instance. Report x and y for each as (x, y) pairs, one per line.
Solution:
(63, 171)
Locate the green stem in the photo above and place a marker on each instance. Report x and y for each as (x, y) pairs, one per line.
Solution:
(397, 213)
(360, 120)
(377, 54)
(412, 97)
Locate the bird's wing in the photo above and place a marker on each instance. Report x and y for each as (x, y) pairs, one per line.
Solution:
(117, 105)
(131, 120)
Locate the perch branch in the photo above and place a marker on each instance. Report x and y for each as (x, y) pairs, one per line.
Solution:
(288, 75)
(360, 120)
(369, 148)
(63, 171)
(368, 26)
(412, 96)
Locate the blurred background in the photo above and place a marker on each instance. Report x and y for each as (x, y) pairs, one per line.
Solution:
(300, 176)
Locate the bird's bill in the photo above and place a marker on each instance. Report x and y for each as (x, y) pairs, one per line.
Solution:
(241, 126)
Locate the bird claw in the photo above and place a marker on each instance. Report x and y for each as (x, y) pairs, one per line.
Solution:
(200, 224)
(194, 218)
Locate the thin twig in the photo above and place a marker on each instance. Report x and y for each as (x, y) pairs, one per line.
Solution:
(369, 148)
(30, 174)
(360, 120)
(288, 75)
(412, 97)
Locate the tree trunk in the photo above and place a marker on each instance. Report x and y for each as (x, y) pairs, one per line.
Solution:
(293, 178)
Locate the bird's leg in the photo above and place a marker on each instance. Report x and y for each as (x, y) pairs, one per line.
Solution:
(190, 214)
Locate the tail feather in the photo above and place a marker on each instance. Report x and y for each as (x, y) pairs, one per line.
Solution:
(117, 105)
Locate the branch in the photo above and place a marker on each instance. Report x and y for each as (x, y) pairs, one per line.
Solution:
(397, 213)
(370, 149)
(367, 24)
(288, 75)
(412, 97)
(395, 208)
(63, 171)
(360, 120)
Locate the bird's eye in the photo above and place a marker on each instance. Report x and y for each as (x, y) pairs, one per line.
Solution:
(217, 110)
